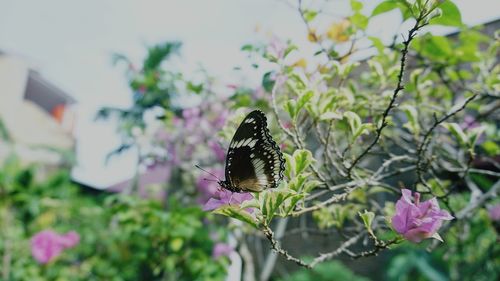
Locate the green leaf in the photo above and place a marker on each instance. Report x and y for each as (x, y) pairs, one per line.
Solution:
(363, 129)
(195, 88)
(377, 43)
(437, 48)
(455, 129)
(367, 218)
(450, 15)
(290, 203)
(412, 115)
(356, 5)
(247, 48)
(474, 134)
(303, 158)
(359, 20)
(291, 107)
(297, 182)
(271, 200)
(310, 15)
(311, 185)
(237, 213)
(353, 120)
(268, 82)
(330, 115)
(289, 165)
(176, 244)
(491, 147)
(384, 7)
(302, 100)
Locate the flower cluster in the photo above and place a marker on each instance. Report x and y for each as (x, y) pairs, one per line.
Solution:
(48, 245)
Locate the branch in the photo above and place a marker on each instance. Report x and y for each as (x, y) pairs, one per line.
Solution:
(406, 44)
(276, 247)
(426, 140)
(324, 257)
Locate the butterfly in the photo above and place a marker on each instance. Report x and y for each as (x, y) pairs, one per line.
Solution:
(254, 161)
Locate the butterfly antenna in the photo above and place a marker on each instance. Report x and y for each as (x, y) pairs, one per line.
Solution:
(205, 179)
(207, 172)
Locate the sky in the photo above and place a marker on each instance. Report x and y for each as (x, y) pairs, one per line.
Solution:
(71, 42)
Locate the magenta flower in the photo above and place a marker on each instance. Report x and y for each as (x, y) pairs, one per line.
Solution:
(225, 197)
(47, 245)
(418, 220)
(494, 212)
(221, 249)
(208, 188)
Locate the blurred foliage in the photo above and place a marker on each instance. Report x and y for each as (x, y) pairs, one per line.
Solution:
(122, 237)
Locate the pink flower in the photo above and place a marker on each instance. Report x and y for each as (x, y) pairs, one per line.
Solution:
(208, 188)
(47, 245)
(221, 249)
(418, 220)
(494, 212)
(225, 197)
(219, 152)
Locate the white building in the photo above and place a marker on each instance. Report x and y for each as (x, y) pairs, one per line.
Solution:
(36, 116)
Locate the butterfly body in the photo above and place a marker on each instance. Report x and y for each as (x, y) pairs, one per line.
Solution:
(254, 161)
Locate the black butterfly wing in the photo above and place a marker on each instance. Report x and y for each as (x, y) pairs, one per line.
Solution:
(254, 161)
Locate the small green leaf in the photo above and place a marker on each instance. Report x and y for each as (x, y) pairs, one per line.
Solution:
(356, 5)
(268, 82)
(455, 129)
(289, 165)
(310, 15)
(353, 120)
(302, 100)
(237, 213)
(491, 147)
(450, 15)
(247, 47)
(367, 218)
(291, 107)
(473, 135)
(377, 43)
(176, 244)
(384, 7)
(290, 203)
(330, 115)
(359, 20)
(311, 185)
(303, 158)
(363, 129)
(412, 115)
(271, 200)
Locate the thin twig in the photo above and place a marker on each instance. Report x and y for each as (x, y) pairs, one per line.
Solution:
(399, 87)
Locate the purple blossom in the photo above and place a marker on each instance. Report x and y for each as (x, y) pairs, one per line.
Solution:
(219, 152)
(191, 117)
(225, 197)
(418, 220)
(208, 188)
(494, 212)
(469, 122)
(47, 245)
(221, 249)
